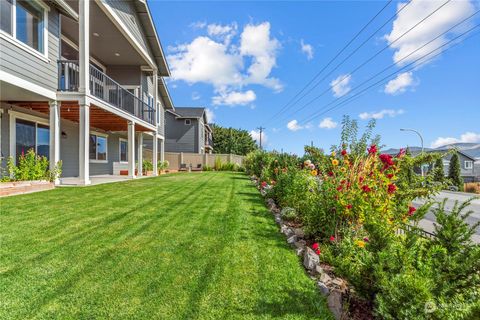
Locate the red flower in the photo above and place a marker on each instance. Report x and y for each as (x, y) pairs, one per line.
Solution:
(332, 238)
(401, 153)
(386, 159)
(360, 179)
(318, 251)
(391, 188)
(411, 210)
(372, 149)
(365, 239)
(330, 173)
(264, 184)
(315, 246)
(390, 175)
(339, 188)
(366, 188)
(349, 206)
(344, 152)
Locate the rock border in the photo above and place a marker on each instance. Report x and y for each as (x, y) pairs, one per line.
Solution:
(335, 289)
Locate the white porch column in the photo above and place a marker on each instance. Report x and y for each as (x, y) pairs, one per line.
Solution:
(140, 154)
(84, 141)
(155, 96)
(84, 45)
(131, 149)
(162, 150)
(54, 135)
(155, 154)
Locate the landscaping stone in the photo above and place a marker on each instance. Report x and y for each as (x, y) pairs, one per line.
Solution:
(325, 278)
(299, 232)
(292, 239)
(319, 269)
(287, 231)
(278, 219)
(300, 244)
(311, 259)
(323, 288)
(300, 251)
(334, 301)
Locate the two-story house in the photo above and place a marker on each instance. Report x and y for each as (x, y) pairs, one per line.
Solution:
(81, 82)
(187, 130)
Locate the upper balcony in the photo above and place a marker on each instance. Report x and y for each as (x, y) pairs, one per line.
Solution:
(104, 88)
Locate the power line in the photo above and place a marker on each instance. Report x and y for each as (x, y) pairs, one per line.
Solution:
(350, 99)
(333, 59)
(371, 58)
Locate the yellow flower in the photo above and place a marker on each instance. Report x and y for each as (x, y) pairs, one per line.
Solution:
(313, 172)
(335, 162)
(333, 154)
(346, 162)
(343, 169)
(360, 243)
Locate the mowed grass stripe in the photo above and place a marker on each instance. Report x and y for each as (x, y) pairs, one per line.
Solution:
(185, 246)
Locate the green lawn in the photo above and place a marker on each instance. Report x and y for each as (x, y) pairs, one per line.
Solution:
(181, 246)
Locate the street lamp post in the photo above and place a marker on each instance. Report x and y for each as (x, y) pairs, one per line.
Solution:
(421, 140)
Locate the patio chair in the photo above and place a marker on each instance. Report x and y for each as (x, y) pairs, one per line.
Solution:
(183, 167)
(198, 168)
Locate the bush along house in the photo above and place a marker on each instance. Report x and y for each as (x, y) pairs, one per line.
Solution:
(82, 82)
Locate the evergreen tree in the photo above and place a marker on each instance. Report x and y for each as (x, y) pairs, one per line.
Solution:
(438, 173)
(231, 140)
(454, 172)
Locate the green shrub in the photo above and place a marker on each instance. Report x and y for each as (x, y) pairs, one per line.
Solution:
(454, 172)
(207, 168)
(218, 163)
(162, 165)
(147, 165)
(32, 167)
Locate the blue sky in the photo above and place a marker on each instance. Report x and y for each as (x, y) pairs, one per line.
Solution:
(245, 60)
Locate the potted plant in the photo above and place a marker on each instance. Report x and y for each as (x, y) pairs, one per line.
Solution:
(162, 166)
(147, 166)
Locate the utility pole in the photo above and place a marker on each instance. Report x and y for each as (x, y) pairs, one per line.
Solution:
(260, 129)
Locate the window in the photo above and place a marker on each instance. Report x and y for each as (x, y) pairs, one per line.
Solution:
(26, 22)
(30, 24)
(123, 150)
(468, 164)
(31, 135)
(6, 16)
(98, 147)
(188, 122)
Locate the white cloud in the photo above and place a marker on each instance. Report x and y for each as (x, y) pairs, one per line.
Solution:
(234, 98)
(328, 123)
(442, 20)
(341, 85)
(400, 84)
(307, 49)
(228, 65)
(294, 126)
(210, 115)
(195, 95)
(381, 114)
(466, 137)
(255, 134)
(257, 43)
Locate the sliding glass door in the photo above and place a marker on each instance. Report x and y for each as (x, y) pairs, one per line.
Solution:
(31, 135)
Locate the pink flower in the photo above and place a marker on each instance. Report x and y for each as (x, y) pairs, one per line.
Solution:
(365, 239)
(264, 184)
(332, 238)
(411, 210)
(315, 246)
(401, 153)
(318, 251)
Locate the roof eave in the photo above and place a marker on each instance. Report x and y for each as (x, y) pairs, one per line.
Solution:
(66, 9)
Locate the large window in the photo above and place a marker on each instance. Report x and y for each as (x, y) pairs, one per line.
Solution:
(6, 16)
(24, 21)
(31, 135)
(98, 147)
(468, 164)
(123, 150)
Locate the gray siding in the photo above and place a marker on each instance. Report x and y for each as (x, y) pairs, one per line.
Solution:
(161, 124)
(463, 171)
(23, 64)
(125, 75)
(126, 13)
(180, 137)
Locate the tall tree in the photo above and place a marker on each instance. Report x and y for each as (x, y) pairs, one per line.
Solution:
(231, 140)
(438, 173)
(454, 172)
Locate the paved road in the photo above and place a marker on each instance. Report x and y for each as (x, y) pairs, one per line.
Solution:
(427, 223)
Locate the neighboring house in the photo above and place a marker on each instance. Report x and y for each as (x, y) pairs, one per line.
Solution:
(187, 130)
(81, 82)
(467, 167)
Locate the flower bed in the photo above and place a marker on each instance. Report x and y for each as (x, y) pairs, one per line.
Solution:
(349, 205)
(22, 187)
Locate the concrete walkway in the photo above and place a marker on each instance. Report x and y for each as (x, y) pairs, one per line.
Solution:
(100, 179)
